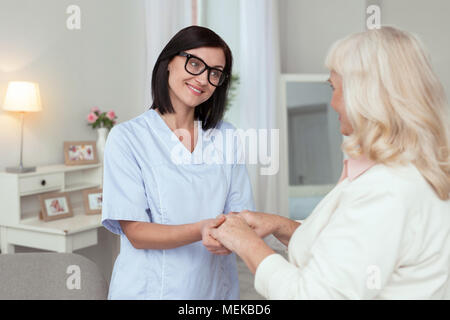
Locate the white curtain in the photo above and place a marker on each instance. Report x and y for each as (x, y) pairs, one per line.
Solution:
(163, 19)
(259, 97)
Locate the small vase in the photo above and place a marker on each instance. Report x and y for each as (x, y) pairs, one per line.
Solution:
(101, 141)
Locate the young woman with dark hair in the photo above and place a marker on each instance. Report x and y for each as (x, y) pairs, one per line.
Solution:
(211, 111)
(164, 209)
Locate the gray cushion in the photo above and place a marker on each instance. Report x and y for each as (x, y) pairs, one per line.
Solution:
(50, 276)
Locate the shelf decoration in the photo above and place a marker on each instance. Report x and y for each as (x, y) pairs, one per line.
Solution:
(80, 152)
(93, 200)
(103, 122)
(55, 206)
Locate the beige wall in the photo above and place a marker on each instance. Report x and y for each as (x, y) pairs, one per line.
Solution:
(101, 64)
(308, 28)
(430, 20)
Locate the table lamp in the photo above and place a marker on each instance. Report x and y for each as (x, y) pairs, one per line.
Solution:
(22, 97)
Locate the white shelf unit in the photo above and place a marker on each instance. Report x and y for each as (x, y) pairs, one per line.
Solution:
(19, 208)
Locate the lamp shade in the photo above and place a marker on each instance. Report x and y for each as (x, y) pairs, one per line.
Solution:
(22, 96)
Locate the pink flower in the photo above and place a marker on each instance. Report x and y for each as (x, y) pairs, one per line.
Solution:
(92, 117)
(111, 115)
(95, 109)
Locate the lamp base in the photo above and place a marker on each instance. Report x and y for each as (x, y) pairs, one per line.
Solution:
(20, 169)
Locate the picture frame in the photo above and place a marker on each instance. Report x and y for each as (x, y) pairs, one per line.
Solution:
(55, 206)
(93, 199)
(80, 152)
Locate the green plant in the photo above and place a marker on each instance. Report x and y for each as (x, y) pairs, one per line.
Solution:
(98, 119)
(232, 91)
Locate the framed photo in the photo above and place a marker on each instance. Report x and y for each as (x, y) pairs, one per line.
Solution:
(93, 199)
(55, 206)
(80, 152)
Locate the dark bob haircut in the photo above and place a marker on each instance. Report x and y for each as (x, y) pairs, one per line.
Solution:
(211, 111)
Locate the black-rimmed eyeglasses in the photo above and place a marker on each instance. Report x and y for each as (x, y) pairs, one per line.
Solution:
(195, 66)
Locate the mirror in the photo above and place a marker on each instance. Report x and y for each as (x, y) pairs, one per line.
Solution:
(314, 140)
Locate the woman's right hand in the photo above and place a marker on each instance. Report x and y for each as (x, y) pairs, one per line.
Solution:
(262, 223)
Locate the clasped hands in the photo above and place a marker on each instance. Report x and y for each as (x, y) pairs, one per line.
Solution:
(228, 233)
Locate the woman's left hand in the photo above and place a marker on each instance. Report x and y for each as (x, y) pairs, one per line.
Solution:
(211, 244)
(234, 232)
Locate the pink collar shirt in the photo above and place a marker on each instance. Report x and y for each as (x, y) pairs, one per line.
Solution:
(353, 168)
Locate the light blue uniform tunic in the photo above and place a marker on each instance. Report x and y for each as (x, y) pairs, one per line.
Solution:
(142, 182)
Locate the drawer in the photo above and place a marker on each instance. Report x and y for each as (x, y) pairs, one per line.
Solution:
(41, 183)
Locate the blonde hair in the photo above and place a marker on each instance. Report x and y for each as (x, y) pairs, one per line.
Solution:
(394, 102)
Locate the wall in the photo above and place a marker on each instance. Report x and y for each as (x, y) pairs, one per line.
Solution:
(307, 93)
(308, 28)
(430, 21)
(102, 64)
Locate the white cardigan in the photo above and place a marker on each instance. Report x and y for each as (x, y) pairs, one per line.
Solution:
(384, 235)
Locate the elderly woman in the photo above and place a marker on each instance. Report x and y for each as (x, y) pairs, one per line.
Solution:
(383, 232)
